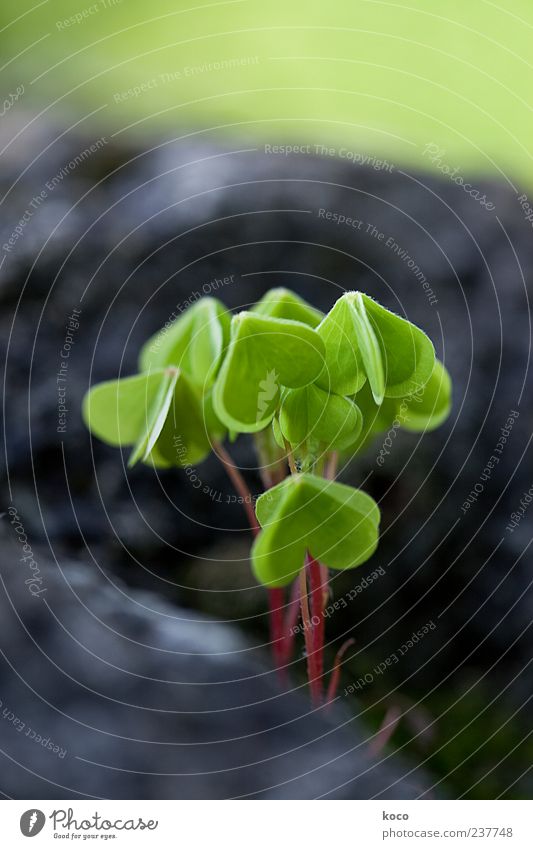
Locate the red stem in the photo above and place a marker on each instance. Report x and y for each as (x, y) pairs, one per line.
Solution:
(317, 615)
(314, 680)
(276, 597)
(291, 621)
(336, 673)
(282, 627)
(239, 483)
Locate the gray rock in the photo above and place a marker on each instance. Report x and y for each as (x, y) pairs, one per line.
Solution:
(110, 693)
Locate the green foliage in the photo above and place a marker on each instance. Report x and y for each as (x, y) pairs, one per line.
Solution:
(311, 383)
(424, 410)
(337, 524)
(282, 303)
(117, 411)
(156, 416)
(195, 342)
(311, 414)
(160, 413)
(344, 372)
(264, 354)
(430, 407)
(407, 355)
(365, 340)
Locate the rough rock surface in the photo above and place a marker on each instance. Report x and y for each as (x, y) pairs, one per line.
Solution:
(110, 693)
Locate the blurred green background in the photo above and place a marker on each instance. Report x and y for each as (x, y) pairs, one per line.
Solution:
(384, 78)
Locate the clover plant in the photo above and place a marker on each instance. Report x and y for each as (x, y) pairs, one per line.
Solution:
(310, 388)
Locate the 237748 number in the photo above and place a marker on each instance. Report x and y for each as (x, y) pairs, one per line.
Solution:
(490, 831)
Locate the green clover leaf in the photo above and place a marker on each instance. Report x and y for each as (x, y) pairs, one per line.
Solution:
(278, 435)
(264, 354)
(377, 418)
(155, 417)
(430, 406)
(189, 427)
(312, 413)
(425, 409)
(362, 338)
(337, 524)
(372, 353)
(282, 303)
(119, 411)
(344, 372)
(161, 413)
(408, 354)
(194, 342)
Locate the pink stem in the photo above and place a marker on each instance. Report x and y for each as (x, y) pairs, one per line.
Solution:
(239, 483)
(317, 616)
(314, 680)
(336, 673)
(276, 597)
(291, 620)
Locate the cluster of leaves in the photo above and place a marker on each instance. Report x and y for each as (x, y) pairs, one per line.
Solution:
(306, 384)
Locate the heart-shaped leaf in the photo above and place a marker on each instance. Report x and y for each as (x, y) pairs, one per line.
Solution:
(264, 354)
(407, 353)
(161, 413)
(278, 436)
(194, 342)
(213, 425)
(369, 347)
(156, 416)
(310, 413)
(429, 407)
(185, 438)
(344, 372)
(117, 411)
(424, 410)
(282, 303)
(363, 338)
(376, 418)
(337, 524)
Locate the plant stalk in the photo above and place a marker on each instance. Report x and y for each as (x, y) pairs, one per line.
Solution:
(291, 621)
(336, 672)
(239, 483)
(315, 572)
(276, 597)
(315, 686)
(330, 472)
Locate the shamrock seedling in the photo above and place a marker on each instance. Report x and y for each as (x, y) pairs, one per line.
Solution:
(308, 387)
(262, 347)
(336, 524)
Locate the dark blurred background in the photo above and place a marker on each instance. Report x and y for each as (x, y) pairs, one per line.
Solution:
(143, 160)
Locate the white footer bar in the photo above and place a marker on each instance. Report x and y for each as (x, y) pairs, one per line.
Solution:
(269, 824)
